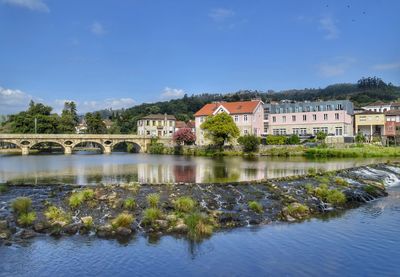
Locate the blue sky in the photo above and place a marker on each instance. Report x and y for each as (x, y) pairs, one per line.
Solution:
(118, 53)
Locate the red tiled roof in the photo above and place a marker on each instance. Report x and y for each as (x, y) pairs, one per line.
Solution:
(392, 112)
(180, 124)
(241, 107)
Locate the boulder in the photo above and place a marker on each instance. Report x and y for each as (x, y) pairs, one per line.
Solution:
(73, 228)
(123, 232)
(27, 234)
(104, 231)
(162, 224)
(6, 234)
(40, 226)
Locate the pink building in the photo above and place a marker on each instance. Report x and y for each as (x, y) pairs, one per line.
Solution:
(248, 116)
(309, 118)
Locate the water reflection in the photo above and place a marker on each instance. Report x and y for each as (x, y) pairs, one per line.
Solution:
(122, 167)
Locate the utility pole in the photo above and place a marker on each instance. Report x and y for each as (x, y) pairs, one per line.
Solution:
(35, 125)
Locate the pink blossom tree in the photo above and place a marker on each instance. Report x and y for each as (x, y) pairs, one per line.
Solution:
(184, 136)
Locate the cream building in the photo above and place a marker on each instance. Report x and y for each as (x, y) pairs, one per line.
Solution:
(156, 125)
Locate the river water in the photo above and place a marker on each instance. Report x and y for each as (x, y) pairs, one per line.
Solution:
(123, 167)
(361, 242)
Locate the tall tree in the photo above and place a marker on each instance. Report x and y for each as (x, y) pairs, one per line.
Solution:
(220, 129)
(95, 124)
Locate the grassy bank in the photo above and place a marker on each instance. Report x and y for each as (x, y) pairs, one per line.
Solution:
(367, 151)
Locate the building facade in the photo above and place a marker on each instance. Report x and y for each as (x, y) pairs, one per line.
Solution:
(247, 115)
(392, 123)
(309, 118)
(370, 124)
(156, 125)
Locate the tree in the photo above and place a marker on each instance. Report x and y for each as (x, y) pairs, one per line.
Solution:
(321, 136)
(185, 136)
(95, 124)
(249, 143)
(293, 139)
(220, 129)
(69, 119)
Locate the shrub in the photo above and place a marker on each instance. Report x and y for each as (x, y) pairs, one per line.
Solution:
(153, 199)
(122, 220)
(185, 136)
(321, 136)
(129, 204)
(184, 204)
(336, 197)
(26, 219)
(150, 215)
(87, 222)
(3, 188)
(309, 188)
(322, 191)
(77, 198)
(360, 138)
(249, 143)
(198, 225)
(341, 182)
(54, 214)
(297, 210)
(22, 205)
(293, 139)
(155, 147)
(255, 206)
(275, 140)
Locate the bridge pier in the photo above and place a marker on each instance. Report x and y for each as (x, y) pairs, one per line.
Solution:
(107, 149)
(67, 150)
(25, 150)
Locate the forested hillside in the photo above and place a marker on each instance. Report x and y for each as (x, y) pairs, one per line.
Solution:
(366, 90)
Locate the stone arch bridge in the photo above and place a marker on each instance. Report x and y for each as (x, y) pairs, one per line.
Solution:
(69, 141)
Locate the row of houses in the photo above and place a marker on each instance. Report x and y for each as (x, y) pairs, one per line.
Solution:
(335, 118)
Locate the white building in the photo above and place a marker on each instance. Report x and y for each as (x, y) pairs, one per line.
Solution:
(156, 125)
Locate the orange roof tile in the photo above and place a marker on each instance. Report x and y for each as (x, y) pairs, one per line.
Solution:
(241, 107)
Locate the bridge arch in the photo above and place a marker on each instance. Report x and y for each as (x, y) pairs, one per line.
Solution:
(135, 146)
(35, 144)
(82, 143)
(8, 144)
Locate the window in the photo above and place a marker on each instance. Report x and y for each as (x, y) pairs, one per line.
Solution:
(154, 123)
(274, 119)
(293, 118)
(236, 118)
(315, 131)
(337, 116)
(245, 131)
(338, 131)
(265, 127)
(303, 131)
(147, 122)
(245, 118)
(325, 116)
(284, 119)
(201, 118)
(296, 131)
(304, 117)
(255, 131)
(314, 117)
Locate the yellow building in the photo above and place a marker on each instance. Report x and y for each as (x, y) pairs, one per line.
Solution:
(370, 123)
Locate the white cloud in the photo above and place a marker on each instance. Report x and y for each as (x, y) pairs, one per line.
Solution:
(336, 68)
(12, 101)
(221, 14)
(34, 5)
(386, 66)
(171, 93)
(113, 103)
(97, 29)
(328, 24)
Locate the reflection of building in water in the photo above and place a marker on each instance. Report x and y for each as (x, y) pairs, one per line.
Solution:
(185, 173)
(155, 173)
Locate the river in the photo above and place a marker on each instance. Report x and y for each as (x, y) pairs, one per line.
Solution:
(86, 168)
(361, 242)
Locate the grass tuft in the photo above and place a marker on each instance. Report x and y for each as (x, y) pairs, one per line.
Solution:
(122, 220)
(129, 204)
(184, 204)
(153, 199)
(26, 219)
(22, 205)
(255, 206)
(199, 225)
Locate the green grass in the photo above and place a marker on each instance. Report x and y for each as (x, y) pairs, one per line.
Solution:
(54, 214)
(370, 189)
(341, 182)
(255, 207)
(22, 205)
(199, 225)
(184, 204)
(354, 152)
(122, 220)
(3, 188)
(150, 215)
(87, 222)
(153, 199)
(26, 219)
(298, 210)
(78, 198)
(332, 196)
(129, 204)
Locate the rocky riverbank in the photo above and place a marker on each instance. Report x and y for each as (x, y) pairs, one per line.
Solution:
(189, 210)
